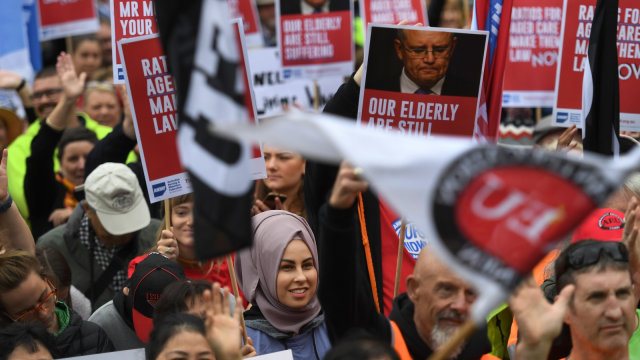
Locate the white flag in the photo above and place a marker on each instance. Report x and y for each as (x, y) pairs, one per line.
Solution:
(492, 212)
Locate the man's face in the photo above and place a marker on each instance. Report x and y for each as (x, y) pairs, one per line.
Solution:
(267, 15)
(425, 55)
(104, 36)
(23, 301)
(105, 237)
(442, 301)
(602, 314)
(46, 94)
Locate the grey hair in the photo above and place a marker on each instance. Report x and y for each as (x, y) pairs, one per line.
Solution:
(633, 184)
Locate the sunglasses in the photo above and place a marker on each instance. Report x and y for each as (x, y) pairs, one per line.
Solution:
(585, 256)
(47, 303)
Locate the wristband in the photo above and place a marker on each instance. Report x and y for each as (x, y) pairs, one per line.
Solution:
(6, 205)
(21, 85)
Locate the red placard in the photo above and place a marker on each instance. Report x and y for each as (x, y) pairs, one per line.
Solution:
(534, 39)
(414, 114)
(153, 107)
(392, 11)
(60, 18)
(129, 18)
(245, 10)
(573, 59)
(432, 92)
(315, 39)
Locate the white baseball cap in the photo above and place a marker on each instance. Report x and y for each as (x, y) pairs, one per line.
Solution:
(113, 192)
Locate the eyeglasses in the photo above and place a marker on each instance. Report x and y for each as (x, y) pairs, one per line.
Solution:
(584, 256)
(47, 303)
(438, 52)
(48, 93)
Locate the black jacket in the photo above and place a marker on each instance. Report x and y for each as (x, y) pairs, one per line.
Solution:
(346, 297)
(82, 338)
(319, 179)
(43, 192)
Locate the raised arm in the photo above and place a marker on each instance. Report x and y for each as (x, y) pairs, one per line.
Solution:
(12, 226)
(341, 262)
(72, 88)
(12, 81)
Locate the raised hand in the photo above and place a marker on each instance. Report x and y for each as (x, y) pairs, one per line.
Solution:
(538, 321)
(72, 83)
(347, 186)
(223, 328)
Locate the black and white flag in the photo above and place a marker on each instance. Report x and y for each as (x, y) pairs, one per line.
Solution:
(600, 90)
(203, 56)
(491, 213)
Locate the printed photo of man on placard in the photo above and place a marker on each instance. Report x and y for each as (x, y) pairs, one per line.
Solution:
(428, 62)
(307, 7)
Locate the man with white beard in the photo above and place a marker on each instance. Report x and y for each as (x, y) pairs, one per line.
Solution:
(436, 303)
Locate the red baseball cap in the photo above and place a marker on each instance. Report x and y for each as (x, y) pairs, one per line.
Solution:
(601, 224)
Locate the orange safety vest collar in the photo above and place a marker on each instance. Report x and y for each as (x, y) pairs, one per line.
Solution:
(403, 352)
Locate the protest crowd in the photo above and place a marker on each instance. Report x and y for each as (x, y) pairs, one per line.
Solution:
(91, 262)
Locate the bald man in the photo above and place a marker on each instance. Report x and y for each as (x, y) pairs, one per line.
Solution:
(436, 303)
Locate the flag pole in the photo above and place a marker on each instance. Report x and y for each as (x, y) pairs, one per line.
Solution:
(463, 333)
(403, 226)
(167, 214)
(316, 95)
(69, 44)
(234, 285)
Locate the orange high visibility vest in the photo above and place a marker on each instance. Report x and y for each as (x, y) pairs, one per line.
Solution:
(403, 352)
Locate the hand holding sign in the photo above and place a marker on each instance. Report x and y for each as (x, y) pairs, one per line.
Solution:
(347, 186)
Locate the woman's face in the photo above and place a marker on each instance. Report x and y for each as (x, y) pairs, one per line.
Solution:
(284, 170)
(24, 352)
(103, 107)
(297, 275)
(87, 57)
(186, 345)
(182, 220)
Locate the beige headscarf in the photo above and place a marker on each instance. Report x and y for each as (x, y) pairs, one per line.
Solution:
(257, 268)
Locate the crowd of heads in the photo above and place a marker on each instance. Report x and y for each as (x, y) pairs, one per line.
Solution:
(161, 296)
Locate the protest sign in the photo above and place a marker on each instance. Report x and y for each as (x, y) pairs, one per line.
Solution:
(393, 11)
(534, 39)
(279, 355)
(247, 11)
(256, 162)
(129, 18)
(578, 16)
(136, 354)
(317, 39)
(275, 87)
(424, 83)
(59, 18)
(153, 107)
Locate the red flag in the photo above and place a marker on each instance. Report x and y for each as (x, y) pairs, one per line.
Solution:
(495, 17)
